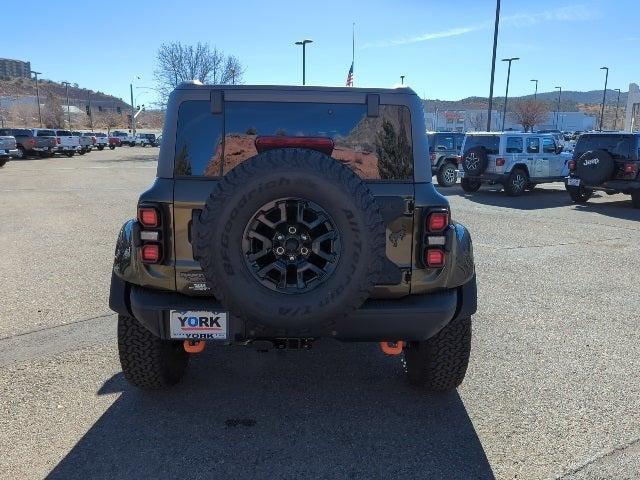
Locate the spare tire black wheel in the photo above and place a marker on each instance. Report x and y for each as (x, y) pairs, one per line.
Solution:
(291, 239)
(470, 186)
(475, 161)
(595, 167)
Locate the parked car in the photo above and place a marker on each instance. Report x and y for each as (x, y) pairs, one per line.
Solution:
(114, 142)
(444, 152)
(147, 139)
(607, 162)
(85, 140)
(518, 161)
(102, 140)
(286, 241)
(67, 143)
(29, 143)
(8, 149)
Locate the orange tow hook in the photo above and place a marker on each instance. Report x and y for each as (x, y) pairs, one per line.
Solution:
(392, 348)
(193, 346)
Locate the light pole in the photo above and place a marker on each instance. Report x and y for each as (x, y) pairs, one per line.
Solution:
(304, 44)
(506, 93)
(558, 108)
(38, 96)
(402, 79)
(604, 94)
(89, 109)
(615, 122)
(66, 84)
(493, 63)
(535, 95)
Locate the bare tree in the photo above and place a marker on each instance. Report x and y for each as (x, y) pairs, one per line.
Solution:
(107, 120)
(479, 121)
(528, 113)
(53, 113)
(179, 63)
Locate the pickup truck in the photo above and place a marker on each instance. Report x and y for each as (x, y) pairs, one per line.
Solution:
(125, 138)
(50, 136)
(101, 140)
(30, 144)
(114, 142)
(67, 143)
(86, 141)
(7, 149)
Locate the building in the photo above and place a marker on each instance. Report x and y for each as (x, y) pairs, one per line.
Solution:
(14, 68)
(631, 123)
(476, 120)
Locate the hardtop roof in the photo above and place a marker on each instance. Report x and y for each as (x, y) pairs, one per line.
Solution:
(194, 85)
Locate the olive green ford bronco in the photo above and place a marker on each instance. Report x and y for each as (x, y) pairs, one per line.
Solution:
(282, 215)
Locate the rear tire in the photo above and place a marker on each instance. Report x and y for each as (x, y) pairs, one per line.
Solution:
(2, 163)
(101, 147)
(112, 147)
(517, 182)
(440, 363)
(635, 198)
(21, 154)
(447, 175)
(147, 361)
(70, 154)
(579, 194)
(470, 186)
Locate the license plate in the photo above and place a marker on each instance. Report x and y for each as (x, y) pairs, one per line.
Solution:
(573, 182)
(460, 173)
(198, 325)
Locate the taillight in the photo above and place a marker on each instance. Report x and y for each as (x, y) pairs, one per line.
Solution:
(437, 222)
(499, 162)
(58, 140)
(148, 217)
(434, 257)
(630, 168)
(572, 165)
(151, 253)
(432, 157)
(31, 142)
(321, 144)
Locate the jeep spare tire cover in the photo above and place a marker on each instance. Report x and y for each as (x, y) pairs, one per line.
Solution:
(291, 239)
(595, 167)
(475, 160)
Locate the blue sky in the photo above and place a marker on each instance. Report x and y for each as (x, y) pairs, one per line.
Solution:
(443, 48)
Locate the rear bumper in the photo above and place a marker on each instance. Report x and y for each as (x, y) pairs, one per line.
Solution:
(613, 186)
(9, 153)
(485, 177)
(415, 317)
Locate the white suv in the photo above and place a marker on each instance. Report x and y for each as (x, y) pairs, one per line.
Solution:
(518, 161)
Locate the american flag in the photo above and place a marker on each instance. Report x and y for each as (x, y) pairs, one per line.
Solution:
(350, 76)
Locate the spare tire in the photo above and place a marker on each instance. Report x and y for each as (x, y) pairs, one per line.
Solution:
(475, 161)
(291, 239)
(595, 167)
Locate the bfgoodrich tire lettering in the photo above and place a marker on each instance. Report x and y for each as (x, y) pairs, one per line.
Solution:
(290, 173)
(440, 363)
(147, 361)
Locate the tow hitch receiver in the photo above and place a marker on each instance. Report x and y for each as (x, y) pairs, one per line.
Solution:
(392, 348)
(193, 346)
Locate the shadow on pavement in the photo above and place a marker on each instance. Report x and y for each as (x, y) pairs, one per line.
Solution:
(493, 195)
(621, 209)
(338, 411)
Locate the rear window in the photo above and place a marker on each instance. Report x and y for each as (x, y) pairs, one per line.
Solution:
(46, 133)
(376, 148)
(491, 143)
(64, 133)
(619, 146)
(100, 134)
(19, 132)
(441, 141)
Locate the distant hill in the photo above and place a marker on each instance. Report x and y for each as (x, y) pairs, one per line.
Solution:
(571, 101)
(22, 87)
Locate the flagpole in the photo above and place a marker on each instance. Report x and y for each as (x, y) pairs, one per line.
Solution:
(353, 47)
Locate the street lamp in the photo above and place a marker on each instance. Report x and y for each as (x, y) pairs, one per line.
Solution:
(506, 93)
(604, 94)
(558, 108)
(402, 79)
(38, 95)
(493, 63)
(615, 122)
(535, 95)
(66, 84)
(304, 44)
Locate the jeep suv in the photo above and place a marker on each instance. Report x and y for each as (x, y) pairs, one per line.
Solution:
(605, 161)
(282, 215)
(444, 152)
(518, 161)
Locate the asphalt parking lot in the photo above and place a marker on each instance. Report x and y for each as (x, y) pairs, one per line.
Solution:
(552, 391)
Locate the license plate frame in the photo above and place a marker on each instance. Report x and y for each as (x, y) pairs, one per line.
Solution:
(198, 325)
(573, 182)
